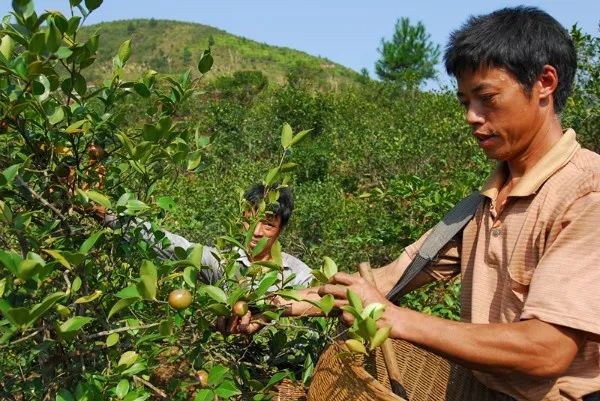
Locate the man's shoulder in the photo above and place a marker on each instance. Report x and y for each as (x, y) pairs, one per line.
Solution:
(580, 176)
(293, 262)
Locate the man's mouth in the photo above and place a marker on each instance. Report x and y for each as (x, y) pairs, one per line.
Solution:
(485, 138)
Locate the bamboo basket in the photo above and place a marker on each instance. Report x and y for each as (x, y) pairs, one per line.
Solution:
(425, 377)
(288, 390)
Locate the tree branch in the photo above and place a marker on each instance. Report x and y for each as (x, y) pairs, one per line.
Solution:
(119, 330)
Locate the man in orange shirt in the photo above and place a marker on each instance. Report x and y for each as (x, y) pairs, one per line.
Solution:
(530, 258)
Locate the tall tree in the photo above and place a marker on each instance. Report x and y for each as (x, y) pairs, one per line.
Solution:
(410, 57)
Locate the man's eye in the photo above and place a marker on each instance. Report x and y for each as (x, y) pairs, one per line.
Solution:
(488, 98)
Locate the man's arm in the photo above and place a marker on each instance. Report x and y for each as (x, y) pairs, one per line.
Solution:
(531, 347)
(212, 269)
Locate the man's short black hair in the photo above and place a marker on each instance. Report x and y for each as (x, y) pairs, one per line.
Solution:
(282, 208)
(520, 39)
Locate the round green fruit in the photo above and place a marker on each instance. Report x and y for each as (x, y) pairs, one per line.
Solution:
(202, 377)
(180, 299)
(240, 308)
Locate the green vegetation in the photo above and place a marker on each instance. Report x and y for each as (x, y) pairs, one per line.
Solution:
(88, 316)
(170, 47)
(409, 57)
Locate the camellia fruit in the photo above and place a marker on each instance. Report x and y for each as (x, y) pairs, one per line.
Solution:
(240, 308)
(95, 152)
(62, 170)
(202, 377)
(180, 299)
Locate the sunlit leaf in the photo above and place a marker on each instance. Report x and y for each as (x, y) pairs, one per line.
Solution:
(121, 304)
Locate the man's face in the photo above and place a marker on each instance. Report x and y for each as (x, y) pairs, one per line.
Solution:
(269, 227)
(504, 119)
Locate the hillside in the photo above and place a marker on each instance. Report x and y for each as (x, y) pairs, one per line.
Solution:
(171, 47)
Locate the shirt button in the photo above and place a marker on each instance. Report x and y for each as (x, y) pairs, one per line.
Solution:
(496, 232)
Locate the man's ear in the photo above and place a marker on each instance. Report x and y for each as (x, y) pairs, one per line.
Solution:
(547, 81)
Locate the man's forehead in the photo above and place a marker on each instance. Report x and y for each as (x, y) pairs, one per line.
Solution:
(268, 216)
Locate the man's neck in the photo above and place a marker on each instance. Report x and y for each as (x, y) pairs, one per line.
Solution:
(546, 137)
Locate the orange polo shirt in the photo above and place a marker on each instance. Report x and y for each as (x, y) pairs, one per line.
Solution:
(539, 258)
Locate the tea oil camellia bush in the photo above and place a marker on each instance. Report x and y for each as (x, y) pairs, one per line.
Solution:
(91, 310)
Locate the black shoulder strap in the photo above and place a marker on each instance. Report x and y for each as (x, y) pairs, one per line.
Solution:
(452, 223)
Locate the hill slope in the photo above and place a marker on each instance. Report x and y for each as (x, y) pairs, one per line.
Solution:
(171, 47)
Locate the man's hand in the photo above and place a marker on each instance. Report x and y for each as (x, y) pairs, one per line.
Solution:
(340, 283)
(247, 324)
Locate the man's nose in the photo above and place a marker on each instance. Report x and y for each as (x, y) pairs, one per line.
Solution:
(258, 230)
(474, 115)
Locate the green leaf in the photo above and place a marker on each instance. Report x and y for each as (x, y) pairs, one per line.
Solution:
(268, 280)
(53, 38)
(329, 267)
(216, 375)
(75, 323)
(7, 45)
(276, 378)
(18, 316)
(380, 336)
(121, 304)
(318, 274)
(99, 198)
(356, 346)
(150, 133)
(194, 159)
(89, 243)
(286, 136)
(59, 257)
(215, 293)
(204, 395)
(289, 294)
(63, 52)
(27, 268)
(112, 339)
(129, 292)
(367, 327)
(165, 327)
(134, 206)
(141, 89)
(64, 395)
(38, 310)
(189, 276)
(272, 176)
(11, 172)
(227, 389)
(219, 309)
(127, 358)
(260, 246)
(148, 280)
(122, 388)
(92, 4)
(196, 255)
(299, 136)
(354, 300)
(76, 285)
(276, 253)
(206, 62)
(326, 304)
(75, 127)
(89, 298)
(5, 213)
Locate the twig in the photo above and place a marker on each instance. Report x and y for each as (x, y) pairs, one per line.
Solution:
(27, 337)
(150, 385)
(43, 201)
(120, 329)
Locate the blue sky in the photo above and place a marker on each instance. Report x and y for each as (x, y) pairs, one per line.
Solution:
(345, 31)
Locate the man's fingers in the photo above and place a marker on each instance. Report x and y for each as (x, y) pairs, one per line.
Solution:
(338, 291)
(233, 325)
(343, 278)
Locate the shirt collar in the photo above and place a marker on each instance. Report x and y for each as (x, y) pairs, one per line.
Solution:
(245, 260)
(559, 155)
